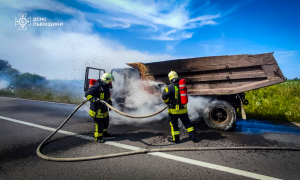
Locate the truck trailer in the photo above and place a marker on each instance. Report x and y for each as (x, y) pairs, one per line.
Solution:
(225, 79)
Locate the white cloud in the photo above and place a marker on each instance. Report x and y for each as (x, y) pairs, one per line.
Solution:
(212, 50)
(115, 25)
(177, 36)
(21, 5)
(215, 47)
(63, 52)
(64, 55)
(205, 18)
(162, 15)
(171, 45)
(285, 57)
(288, 62)
(166, 20)
(209, 22)
(285, 54)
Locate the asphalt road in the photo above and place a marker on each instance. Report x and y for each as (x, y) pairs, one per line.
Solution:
(24, 124)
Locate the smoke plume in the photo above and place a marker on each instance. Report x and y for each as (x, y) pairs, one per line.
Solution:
(3, 84)
(138, 101)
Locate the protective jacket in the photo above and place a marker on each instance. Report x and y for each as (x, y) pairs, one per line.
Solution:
(99, 90)
(171, 97)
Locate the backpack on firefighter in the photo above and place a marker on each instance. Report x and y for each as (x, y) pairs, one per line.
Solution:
(178, 102)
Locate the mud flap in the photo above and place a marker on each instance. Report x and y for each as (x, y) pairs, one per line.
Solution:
(242, 108)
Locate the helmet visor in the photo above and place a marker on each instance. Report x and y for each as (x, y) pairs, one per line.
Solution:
(112, 78)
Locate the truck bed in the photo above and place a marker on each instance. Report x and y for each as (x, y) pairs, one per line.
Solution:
(217, 75)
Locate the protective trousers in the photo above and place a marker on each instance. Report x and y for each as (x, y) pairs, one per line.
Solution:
(185, 121)
(101, 125)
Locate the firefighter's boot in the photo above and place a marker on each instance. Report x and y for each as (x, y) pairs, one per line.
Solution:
(193, 137)
(98, 135)
(99, 140)
(174, 140)
(195, 140)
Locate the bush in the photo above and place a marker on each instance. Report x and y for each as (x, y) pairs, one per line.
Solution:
(42, 94)
(4, 64)
(20, 80)
(277, 102)
(28, 81)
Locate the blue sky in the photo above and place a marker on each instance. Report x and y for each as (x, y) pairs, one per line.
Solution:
(107, 33)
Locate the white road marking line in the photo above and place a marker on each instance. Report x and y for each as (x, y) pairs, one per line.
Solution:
(37, 100)
(164, 155)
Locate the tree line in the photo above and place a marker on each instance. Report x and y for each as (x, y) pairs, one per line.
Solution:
(18, 79)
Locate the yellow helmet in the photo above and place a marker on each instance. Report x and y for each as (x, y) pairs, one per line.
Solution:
(172, 75)
(107, 77)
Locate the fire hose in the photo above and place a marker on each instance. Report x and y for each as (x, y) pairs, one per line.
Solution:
(145, 151)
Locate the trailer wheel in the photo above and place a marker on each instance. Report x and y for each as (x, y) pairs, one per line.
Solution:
(220, 115)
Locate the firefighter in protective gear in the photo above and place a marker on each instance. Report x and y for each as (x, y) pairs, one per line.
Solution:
(171, 97)
(99, 111)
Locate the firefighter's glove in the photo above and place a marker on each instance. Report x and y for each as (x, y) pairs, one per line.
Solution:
(170, 105)
(94, 100)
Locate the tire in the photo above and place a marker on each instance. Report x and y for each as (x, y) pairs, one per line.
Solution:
(220, 115)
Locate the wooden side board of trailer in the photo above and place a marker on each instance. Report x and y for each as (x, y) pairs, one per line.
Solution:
(217, 75)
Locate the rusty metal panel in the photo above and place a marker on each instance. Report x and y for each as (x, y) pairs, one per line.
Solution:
(217, 74)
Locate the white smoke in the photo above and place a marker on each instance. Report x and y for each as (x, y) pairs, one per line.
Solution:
(72, 88)
(140, 102)
(196, 106)
(3, 84)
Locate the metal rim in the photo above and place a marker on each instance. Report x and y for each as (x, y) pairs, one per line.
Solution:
(218, 114)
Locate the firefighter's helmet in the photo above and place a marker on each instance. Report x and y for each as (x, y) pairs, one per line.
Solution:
(107, 78)
(172, 75)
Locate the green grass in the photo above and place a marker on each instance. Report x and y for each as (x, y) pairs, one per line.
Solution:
(277, 102)
(43, 94)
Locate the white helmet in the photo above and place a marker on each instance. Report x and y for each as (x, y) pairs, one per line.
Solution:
(107, 78)
(172, 75)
